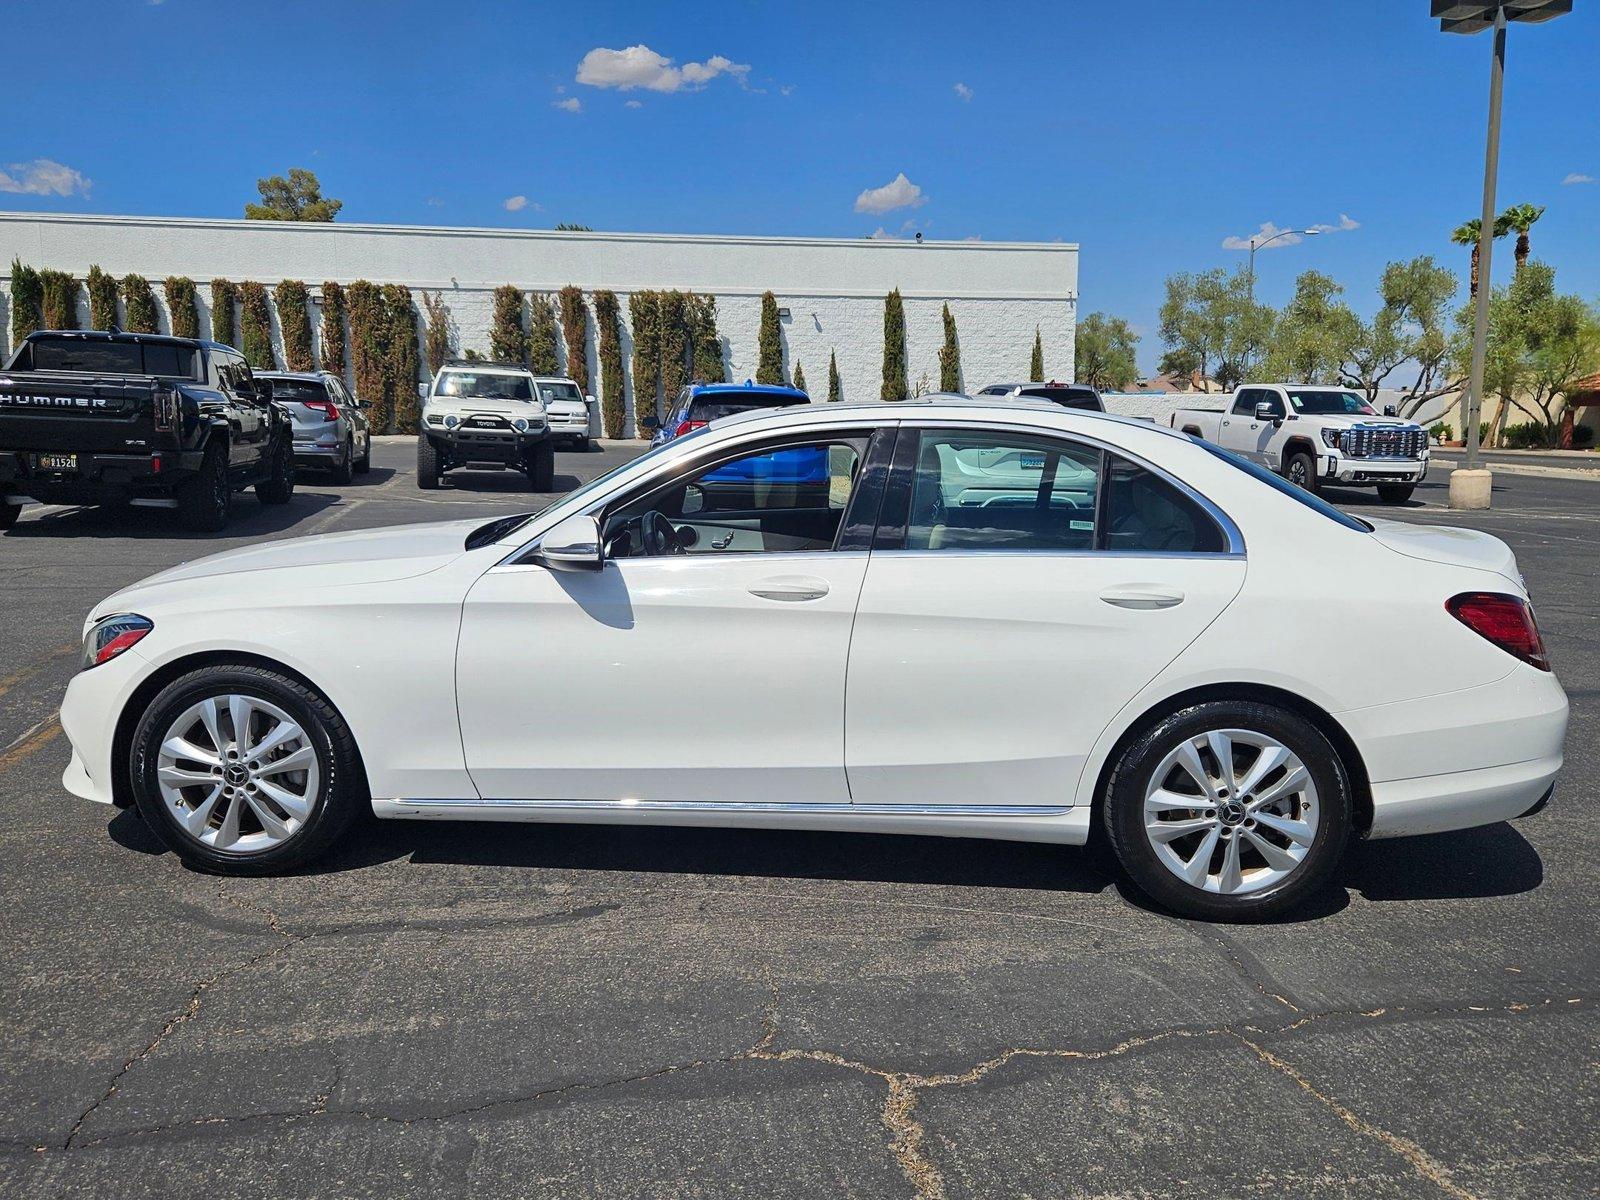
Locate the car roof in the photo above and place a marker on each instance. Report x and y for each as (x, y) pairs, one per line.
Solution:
(122, 335)
(502, 368)
(317, 375)
(1037, 383)
(746, 388)
(942, 404)
(555, 379)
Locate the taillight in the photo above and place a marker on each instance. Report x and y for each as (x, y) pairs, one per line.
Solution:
(166, 409)
(687, 427)
(110, 636)
(326, 407)
(1507, 621)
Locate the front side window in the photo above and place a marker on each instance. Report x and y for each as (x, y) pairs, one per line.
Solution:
(780, 500)
(1245, 405)
(1324, 402)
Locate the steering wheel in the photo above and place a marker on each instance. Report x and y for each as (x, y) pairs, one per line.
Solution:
(659, 535)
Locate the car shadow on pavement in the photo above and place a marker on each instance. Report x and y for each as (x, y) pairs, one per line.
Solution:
(250, 518)
(307, 477)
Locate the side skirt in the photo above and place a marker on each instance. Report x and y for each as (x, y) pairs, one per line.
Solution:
(1065, 825)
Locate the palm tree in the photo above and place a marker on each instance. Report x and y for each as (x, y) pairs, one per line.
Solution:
(1521, 218)
(1466, 234)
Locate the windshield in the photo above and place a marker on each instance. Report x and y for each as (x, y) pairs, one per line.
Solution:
(295, 391)
(560, 391)
(1279, 484)
(1322, 403)
(484, 385)
(110, 358)
(714, 408)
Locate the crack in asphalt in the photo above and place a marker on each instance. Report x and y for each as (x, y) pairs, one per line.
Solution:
(1243, 962)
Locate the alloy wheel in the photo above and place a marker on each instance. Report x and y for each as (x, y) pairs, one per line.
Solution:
(1231, 811)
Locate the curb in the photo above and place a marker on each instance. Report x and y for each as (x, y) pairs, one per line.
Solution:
(1499, 468)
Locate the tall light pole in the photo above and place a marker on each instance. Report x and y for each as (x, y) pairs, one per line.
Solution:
(1470, 486)
(1257, 242)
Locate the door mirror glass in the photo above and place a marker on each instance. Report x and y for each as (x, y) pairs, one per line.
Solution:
(589, 400)
(694, 499)
(1265, 411)
(1390, 410)
(573, 545)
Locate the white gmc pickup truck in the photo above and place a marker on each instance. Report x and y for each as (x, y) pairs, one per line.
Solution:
(1315, 435)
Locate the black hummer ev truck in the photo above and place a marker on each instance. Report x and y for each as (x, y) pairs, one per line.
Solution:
(134, 418)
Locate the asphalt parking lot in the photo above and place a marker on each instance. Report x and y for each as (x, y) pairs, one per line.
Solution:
(569, 1011)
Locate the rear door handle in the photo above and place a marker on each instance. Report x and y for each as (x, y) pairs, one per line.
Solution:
(790, 587)
(1139, 597)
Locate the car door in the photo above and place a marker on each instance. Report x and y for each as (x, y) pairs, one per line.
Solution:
(1239, 426)
(711, 669)
(1262, 449)
(247, 417)
(1005, 620)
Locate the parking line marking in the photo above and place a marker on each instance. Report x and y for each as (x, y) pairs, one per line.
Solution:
(28, 672)
(46, 732)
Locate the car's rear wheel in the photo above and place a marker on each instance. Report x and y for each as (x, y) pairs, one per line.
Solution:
(205, 500)
(1395, 493)
(1229, 810)
(1300, 469)
(278, 486)
(243, 771)
(428, 471)
(9, 514)
(345, 466)
(364, 463)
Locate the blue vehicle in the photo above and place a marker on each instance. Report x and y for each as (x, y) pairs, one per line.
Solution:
(699, 404)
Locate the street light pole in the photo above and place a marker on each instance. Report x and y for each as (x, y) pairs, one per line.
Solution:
(1491, 170)
(1256, 244)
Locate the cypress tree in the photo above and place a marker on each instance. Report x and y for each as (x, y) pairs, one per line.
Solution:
(835, 392)
(643, 309)
(333, 358)
(223, 294)
(255, 326)
(769, 362)
(508, 341)
(27, 301)
(799, 377)
(364, 305)
(894, 348)
(294, 319)
(575, 333)
(183, 310)
(138, 305)
(102, 299)
(1036, 363)
(707, 347)
(401, 360)
(674, 318)
(612, 384)
(949, 356)
(542, 335)
(58, 300)
(436, 342)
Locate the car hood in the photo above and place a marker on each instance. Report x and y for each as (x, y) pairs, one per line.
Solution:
(1350, 420)
(466, 405)
(328, 560)
(1447, 544)
(566, 406)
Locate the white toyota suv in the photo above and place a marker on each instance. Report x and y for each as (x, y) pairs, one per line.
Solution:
(484, 414)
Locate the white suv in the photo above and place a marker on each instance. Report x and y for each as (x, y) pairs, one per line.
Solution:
(484, 414)
(566, 408)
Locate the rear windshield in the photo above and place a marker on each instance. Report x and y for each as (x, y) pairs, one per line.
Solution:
(1067, 397)
(561, 391)
(294, 391)
(1279, 484)
(109, 358)
(483, 385)
(712, 408)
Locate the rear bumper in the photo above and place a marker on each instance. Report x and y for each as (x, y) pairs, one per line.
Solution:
(99, 477)
(1463, 799)
(311, 454)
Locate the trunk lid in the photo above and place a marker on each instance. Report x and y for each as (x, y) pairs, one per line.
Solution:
(1447, 544)
(62, 410)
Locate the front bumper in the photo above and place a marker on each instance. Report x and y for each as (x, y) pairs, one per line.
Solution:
(99, 477)
(468, 444)
(95, 699)
(568, 427)
(1336, 468)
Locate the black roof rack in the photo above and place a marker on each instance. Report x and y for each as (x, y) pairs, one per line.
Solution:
(483, 362)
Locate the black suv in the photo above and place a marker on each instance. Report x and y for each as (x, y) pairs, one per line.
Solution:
(113, 418)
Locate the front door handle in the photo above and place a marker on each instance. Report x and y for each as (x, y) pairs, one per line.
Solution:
(1142, 597)
(790, 587)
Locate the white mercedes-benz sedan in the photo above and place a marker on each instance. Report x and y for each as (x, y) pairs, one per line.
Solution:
(951, 618)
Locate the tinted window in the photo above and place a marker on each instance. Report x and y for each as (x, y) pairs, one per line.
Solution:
(1244, 404)
(293, 391)
(1145, 512)
(484, 385)
(1067, 397)
(1279, 484)
(113, 358)
(1323, 403)
(713, 407)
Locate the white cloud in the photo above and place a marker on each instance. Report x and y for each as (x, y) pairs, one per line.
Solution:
(786, 90)
(434, 202)
(642, 67)
(634, 104)
(571, 104)
(515, 203)
(1346, 223)
(963, 91)
(880, 234)
(899, 192)
(43, 177)
(1267, 237)
(1579, 177)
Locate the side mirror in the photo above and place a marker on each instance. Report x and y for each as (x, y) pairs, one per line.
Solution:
(1265, 411)
(1390, 410)
(650, 423)
(573, 545)
(589, 400)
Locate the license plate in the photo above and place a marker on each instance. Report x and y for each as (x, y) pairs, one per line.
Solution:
(56, 462)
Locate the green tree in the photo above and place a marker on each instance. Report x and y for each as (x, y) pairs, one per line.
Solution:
(368, 344)
(58, 303)
(297, 198)
(255, 326)
(1466, 234)
(27, 301)
(1104, 353)
(799, 377)
(644, 315)
(508, 340)
(609, 353)
(1519, 219)
(707, 344)
(1178, 362)
(674, 323)
(437, 339)
(949, 356)
(769, 360)
(570, 227)
(401, 360)
(1036, 359)
(333, 357)
(294, 320)
(1314, 335)
(102, 299)
(1409, 326)
(223, 295)
(138, 305)
(542, 335)
(894, 348)
(575, 332)
(183, 307)
(1212, 319)
(835, 392)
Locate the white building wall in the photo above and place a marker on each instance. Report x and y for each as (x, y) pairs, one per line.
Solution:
(833, 288)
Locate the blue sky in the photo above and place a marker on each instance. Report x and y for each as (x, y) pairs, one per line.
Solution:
(1149, 131)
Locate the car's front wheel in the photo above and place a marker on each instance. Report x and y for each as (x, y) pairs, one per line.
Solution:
(1300, 469)
(1395, 493)
(428, 466)
(244, 771)
(9, 514)
(1229, 810)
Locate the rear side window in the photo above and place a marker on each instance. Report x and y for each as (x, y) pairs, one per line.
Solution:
(1143, 512)
(1279, 484)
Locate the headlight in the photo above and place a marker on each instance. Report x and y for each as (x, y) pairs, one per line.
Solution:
(451, 421)
(1330, 437)
(110, 636)
(520, 425)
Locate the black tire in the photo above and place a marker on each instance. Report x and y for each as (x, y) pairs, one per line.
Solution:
(344, 468)
(581, 445)
(205, 501)
(1395, 493)
(1300, 468)
(9, 514)
(364, 463)
(1123, 814)
(428, 470)
(541, 466)
(341, 794)
(278, 486)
